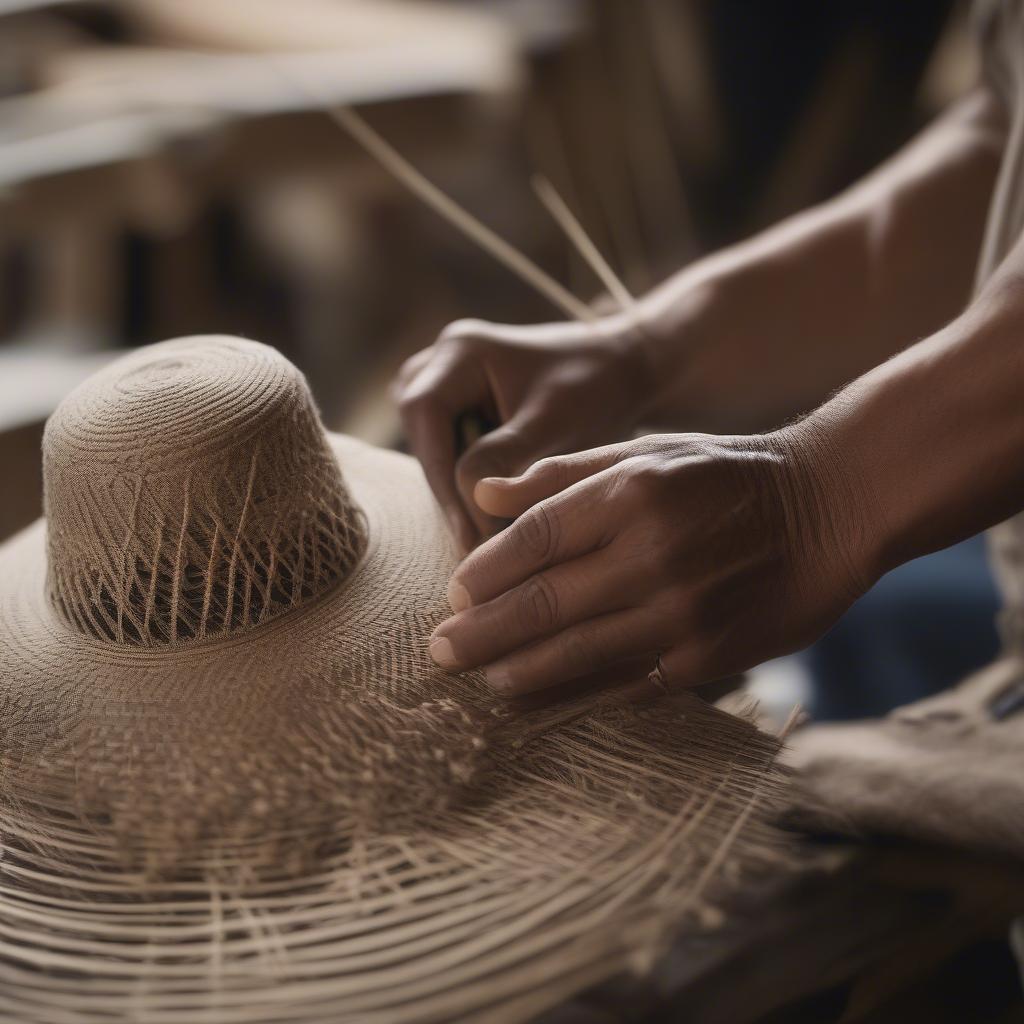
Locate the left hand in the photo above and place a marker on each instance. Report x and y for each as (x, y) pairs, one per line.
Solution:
(715, 553)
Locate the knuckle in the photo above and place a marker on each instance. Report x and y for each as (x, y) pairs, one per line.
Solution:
(648, 479)
(493, 455)
(461, 331)
(413, 402)
(538, 605)
(472, 467)
(579, 652)
(504, 440)
(537, 532)
(640, 447)
(617, 486)
(551, 469)
(411, 364)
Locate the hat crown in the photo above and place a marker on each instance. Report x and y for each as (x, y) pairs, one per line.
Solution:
(190, 492)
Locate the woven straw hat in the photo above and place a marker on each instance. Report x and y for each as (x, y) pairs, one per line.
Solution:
(234, 788)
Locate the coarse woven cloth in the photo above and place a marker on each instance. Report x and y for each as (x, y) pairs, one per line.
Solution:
(942, 770)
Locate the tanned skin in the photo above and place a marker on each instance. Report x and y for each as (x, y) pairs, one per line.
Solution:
(719, 549)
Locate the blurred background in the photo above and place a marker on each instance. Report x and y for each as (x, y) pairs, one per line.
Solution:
(158, 178)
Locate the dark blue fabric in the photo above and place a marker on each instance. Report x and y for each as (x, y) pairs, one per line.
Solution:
(920, 629)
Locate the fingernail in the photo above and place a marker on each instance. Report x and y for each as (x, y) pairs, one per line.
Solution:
(442, 652)
(498, 677)
(458, 596)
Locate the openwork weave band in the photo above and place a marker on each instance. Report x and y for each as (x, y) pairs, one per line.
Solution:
(191, 493)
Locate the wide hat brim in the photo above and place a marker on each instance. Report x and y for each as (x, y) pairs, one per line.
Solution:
(312, 822)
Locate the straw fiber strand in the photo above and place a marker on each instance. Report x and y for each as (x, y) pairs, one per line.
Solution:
(290, 813)
(554, 867)
(148, 548)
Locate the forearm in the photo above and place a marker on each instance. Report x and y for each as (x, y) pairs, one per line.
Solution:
(928, 448)
(766, 329)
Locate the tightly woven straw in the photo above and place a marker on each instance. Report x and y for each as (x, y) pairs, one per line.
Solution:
(234, 788)
(147, 547)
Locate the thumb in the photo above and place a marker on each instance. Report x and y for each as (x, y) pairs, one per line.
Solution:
(504, 451)
(509, 497)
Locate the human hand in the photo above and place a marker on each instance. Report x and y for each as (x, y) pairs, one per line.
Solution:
(550, 387)
(715, 553)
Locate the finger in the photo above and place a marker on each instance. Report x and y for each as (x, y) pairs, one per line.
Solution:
(646, 688)
(445, 346)
(692, 664)
(429, 407)
(531, 432)
(501, 450)
(563, 528)
(509, 497)
(543, 605)
(408, 371)
(584, 648)
(432, 441)
(532, 334)
(621, 678)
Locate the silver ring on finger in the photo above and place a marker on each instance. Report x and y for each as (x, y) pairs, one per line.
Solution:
(657, 676)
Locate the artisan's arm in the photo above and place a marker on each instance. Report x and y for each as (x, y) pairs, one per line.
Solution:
(770, 327)
(743, 340)
(714, 553)
(934, 438)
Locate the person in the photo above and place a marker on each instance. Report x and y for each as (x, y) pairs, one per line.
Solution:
(883, 328)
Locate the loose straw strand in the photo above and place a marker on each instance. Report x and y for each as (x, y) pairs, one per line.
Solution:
(501, 250)
(393, 161)
(574, 231)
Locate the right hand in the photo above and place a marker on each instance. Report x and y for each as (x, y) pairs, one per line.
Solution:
(550, 388)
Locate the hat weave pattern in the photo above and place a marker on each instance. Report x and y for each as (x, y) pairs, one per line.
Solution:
(147, 548)
(254, 798)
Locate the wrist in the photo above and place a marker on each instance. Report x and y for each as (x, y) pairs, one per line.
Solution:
(669, 329)
(928, 445)
(831, 503)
